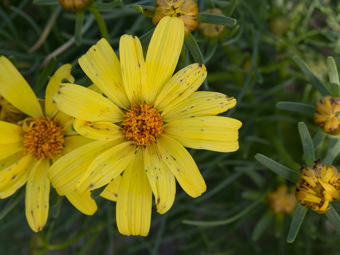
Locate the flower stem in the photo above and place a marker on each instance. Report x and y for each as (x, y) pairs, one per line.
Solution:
(100, 21)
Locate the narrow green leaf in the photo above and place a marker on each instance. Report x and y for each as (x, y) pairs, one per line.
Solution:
(41, 81)
(296, 107)
(307, 144)
(285, 172)
(106, 6)
(12, 202)
(333, 151)
(45, 2)
(78, 26)
(334, 217)
(194, 49)
(333, 77)
(216, 19)
(261, 226)
(318, 138)
(316, 82)
(299, 215)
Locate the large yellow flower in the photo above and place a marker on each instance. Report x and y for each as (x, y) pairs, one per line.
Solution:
(28, 147)
(141, 123)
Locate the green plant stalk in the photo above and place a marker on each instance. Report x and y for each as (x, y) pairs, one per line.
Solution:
(101, 23)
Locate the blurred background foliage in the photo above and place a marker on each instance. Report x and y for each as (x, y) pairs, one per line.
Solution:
(252, 61)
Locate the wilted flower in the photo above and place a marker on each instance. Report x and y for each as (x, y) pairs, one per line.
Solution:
(318, 186)
(326, 114)
(281, 200)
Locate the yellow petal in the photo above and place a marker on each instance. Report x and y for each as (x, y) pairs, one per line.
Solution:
(184, 83)
(37, 196)
(163, 53)
(14, 176)
(134, 203)
(63, 72)
(107, 166)
(9, 149)
(16, 90)
(65, 122)
(304, 196)
(103, 131)
(209, 133)
(83, 103)
(83, 202)
(133, 67)
(200, 103)
(111, 190)
(101, 65)
(73, 142)
(10, 133)
(161, 180)
(67, 170)
(181, 165)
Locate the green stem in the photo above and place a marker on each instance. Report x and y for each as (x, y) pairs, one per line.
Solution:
(100, 21)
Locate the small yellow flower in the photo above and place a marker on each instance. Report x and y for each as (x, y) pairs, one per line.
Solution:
(281, 201)
(186, 10)
(318, 186)
(75, 5)
(211, 30)
(326, 114)
(9, 113)
(141, 126)
(28, 147)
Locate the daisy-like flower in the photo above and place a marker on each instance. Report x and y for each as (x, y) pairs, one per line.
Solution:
(28, 147)
(143, 120)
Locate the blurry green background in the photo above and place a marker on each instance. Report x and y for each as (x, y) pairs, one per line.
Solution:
(253, 62)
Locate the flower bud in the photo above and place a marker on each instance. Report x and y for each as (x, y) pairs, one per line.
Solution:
(74, 5)
(326, 114)
(211, 30)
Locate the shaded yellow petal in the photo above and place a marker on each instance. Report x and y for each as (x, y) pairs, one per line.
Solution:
(37, 196)
(10, 133)
(134, 203)
(9, 149)
(65, 122)
(14, 176)
(107, 166)
(63, 72)
(163, 53)
(83, 103)
(73, 142)
(210, 132)
(133, 67)
(67, 170)
(83, 202)
(103, 131)
(161, 180)
(6, 162)
(101, 65)
(200, 103)
(16, 90)
(111, 190)
(182, 166)
(184, 83)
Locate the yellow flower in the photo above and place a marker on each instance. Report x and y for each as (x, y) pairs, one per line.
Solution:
(211, 30)
(186, 10)
(141, 126)
(8, 112)
(326, 114)
(282, 201)
(74, 5)
(318, 186)
(28, 147)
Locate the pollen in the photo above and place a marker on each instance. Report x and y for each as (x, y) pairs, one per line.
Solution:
(43, 137)
(142, 124)
(318, 186)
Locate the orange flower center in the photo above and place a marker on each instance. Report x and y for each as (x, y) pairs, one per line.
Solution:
(43, 138)
(142, 124)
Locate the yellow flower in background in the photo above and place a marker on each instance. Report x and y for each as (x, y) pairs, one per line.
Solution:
(141, 126)
(318, 186)
(326, 114)
(281, 200)
(28, 147)
(211, 30)
(74, 5)
(186, 10)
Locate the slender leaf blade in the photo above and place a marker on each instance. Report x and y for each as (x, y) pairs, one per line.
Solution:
(334, 217)
(307, 144)
(295, 225)
(296, 107)
(216, 19)
(194, 49)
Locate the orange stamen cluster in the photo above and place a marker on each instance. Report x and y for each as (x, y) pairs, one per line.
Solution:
(142, 124)
(43, 138)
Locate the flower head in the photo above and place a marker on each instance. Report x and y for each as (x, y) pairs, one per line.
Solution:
(326, 114)
(211, 30)
(282, 201)
(318, 186)
(186, 10)
(29, 145)
(141, 126)
(74, 5)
